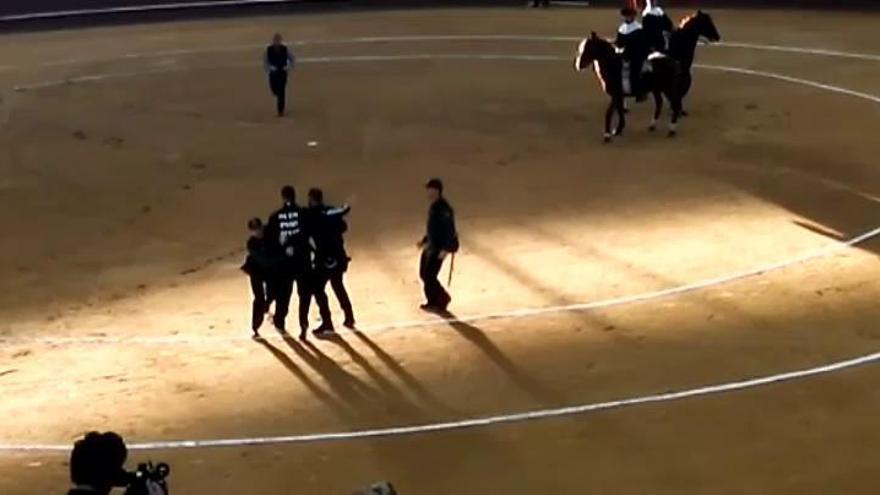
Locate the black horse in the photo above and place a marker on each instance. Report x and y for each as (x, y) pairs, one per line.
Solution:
(663, 79)
(683, 44)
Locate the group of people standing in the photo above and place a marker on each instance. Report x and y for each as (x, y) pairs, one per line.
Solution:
(305, 247)
(301, 246)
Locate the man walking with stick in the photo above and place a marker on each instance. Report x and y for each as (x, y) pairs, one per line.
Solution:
(440, 241)
(278, 61)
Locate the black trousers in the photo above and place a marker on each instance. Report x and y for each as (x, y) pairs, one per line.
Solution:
(305, 289)
(283, 289)
(312, 284)
(429, 271)
(261, 290)
(540, 3)
(278, 85)
(337, 283)
(336, 277)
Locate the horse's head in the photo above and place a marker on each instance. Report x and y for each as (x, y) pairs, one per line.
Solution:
(590, 50)
(703, 25)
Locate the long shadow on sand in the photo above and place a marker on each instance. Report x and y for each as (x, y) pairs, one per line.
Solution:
(331, 402)
(346, 386)
(388, 389)
(402, 374)
(479, 339)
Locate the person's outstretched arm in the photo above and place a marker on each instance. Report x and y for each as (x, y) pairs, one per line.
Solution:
(339, 211)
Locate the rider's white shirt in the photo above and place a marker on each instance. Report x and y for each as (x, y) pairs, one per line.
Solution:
(629, 27)
(656, 10)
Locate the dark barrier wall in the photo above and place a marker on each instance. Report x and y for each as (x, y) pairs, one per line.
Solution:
(14, 7)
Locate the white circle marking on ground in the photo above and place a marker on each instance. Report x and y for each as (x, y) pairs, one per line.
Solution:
(557, 412)
(519, 313)
(439, 37)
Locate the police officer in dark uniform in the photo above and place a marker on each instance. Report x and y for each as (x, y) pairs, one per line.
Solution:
(657, 25)
(632, 40)
(278, 61)
(327, 226)
(441, 240)
(288, 237)
(260, 266)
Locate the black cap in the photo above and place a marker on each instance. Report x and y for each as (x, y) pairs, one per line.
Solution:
(255, 223)
(288, 193)
(434, 183)
(316, 195)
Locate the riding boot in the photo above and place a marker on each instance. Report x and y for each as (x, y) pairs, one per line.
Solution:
(638, 88)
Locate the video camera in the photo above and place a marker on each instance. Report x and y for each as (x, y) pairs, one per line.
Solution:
(148, 479)
(382, 488)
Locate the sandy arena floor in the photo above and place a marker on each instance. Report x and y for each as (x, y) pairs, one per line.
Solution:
(124, 202)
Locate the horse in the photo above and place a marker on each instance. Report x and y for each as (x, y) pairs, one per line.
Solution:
(683, 44)
(664, 79)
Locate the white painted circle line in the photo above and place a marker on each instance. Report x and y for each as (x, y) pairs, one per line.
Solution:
(438, 37)
(520, 313)
(476, 422)
(564, 411)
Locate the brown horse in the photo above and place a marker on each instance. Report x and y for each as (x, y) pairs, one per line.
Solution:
(663, 79)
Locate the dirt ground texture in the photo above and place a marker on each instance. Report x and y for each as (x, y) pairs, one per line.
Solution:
(124, 202)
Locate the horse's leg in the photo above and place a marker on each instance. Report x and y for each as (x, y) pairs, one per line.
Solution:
(658, 107)
(609, 112)
(686, 82)
(621, 115)
(675, 102)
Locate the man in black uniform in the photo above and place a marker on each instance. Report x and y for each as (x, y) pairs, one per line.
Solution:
(326, 227)
(260, 266)
(657, 25)
(441, 239)
(286, 231)
(278, 61)
(632, 40)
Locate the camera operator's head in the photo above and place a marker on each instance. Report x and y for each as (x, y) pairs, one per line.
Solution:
(96, 463)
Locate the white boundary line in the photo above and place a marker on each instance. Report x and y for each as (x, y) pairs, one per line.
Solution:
(138, 8)
(564, 411)
(521, 313)
(439, 37)
(805, 51)
(477, 422)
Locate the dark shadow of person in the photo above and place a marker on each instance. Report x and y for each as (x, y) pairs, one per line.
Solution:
(476, 336)
(393, 395)
(347, 386)
(402, 374)
(334, 405)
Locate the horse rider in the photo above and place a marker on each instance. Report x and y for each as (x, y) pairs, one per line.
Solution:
(633, 44)
(657, 25)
